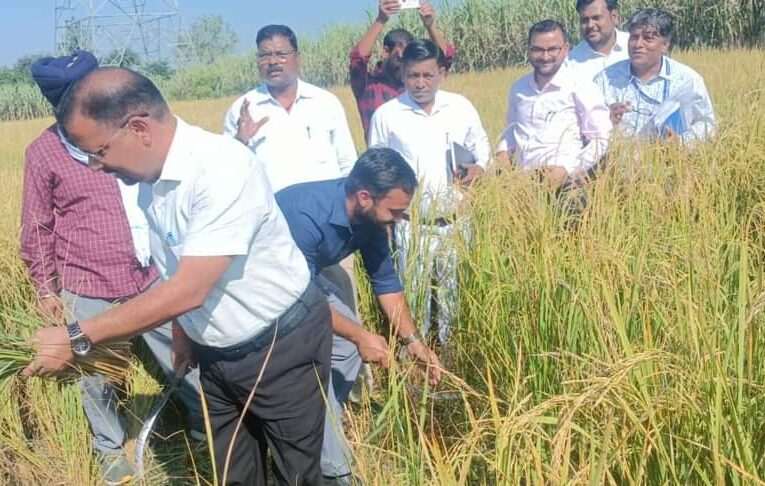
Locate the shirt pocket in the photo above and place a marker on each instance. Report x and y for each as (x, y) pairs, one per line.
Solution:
(320, 142)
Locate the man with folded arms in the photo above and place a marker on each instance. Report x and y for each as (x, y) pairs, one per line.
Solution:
(233, 277)
(330, 220)
(372, 88)
(557, 122)
(636, 89)
(441, 136)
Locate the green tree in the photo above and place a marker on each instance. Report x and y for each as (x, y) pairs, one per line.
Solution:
(209, 38)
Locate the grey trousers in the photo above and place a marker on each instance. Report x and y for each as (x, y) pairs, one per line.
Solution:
(99, 398)
(336, 457)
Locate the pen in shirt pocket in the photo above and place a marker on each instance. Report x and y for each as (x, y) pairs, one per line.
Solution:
(308, 132)
(171, 239)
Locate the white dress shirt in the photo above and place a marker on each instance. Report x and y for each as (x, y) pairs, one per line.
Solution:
(424, 139)
(311, 142)
(213, 199)
(565, 124)
(588, 62)
(619, 85)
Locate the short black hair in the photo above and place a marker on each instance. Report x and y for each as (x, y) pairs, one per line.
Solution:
(611, 5)
(397, 36)
(111, 103)
(660, 21)
(547, 25)
(273, 30)
(422, 50)
(379, 170)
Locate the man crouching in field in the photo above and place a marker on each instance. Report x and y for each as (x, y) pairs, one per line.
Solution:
(233, 277)
(85, 242)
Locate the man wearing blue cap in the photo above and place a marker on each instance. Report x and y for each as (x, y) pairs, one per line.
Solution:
(86, 243)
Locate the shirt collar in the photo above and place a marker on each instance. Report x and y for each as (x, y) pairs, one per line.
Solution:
(440, 103)
(261, 94)
(176, 162)
(665, 71)
(562, 78)
(339, 215)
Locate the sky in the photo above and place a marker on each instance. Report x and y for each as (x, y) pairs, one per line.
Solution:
(27, 26)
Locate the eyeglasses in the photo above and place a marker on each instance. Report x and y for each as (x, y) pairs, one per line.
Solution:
(101, 152)
(540, 51)
(280, 56)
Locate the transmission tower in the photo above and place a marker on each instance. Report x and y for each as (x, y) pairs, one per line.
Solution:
(116, 30)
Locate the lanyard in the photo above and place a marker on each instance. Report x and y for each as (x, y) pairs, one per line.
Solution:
(642, 96)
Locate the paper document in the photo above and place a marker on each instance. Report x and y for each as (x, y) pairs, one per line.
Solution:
(405, 4)
(676, 113)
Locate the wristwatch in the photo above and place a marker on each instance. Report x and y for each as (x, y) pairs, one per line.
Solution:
(412, 338)
(80, 342)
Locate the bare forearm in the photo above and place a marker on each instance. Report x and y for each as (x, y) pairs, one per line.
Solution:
(342, 326)
(367, 42)
(395, 308)
(437, 37)
(157, 305)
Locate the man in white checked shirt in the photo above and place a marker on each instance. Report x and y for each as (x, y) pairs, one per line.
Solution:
(557, 122)
(440, 135)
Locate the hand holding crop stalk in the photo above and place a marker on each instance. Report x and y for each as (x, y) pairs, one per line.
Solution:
(427, 359)
(618, 110)
(54, 353)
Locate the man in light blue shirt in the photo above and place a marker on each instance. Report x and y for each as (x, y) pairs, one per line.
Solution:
(638, 90)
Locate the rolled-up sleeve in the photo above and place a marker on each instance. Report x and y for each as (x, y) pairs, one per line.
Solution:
(594, 124)
(378, 263)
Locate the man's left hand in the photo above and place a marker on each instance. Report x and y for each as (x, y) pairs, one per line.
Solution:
(427, 14)
(472, 172)
(54, 353)
(428, 359)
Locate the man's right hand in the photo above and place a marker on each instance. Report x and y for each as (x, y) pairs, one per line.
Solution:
(373, 348)
(51, 308)
(387, 8)
(618, 110)
(246, 127)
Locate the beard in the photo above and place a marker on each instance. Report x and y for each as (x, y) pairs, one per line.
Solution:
(368, 219)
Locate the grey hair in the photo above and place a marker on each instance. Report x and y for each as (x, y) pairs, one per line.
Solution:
(659, 21)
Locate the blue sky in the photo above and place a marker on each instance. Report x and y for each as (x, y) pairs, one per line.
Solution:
(27, 26)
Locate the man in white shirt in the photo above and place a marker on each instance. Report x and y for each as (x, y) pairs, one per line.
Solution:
(602, 43)
(234, 279)
(297, 130)
(557, 122)
(441, 136)
(639, 90)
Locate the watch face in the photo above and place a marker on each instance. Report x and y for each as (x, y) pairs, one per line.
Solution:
(81, 346)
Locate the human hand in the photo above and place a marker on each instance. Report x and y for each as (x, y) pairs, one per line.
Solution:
(246, 127)
(427, 14)
(51, 308)
(373, 348)
(387, 9)
(54, 353)
(618, 110)
(426, 359)
(471, 172)
(182, 354)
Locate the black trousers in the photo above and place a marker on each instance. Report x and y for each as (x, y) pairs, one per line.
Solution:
(287, 412)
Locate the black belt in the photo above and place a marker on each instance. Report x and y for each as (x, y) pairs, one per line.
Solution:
(440, 221)
(292, 319)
